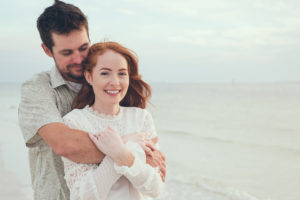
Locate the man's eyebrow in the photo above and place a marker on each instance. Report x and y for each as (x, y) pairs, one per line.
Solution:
(84, 45)
(70, 50)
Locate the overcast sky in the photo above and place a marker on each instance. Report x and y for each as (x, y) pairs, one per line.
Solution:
(176, 40)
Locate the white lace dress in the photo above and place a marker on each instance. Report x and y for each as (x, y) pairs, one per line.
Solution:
(108, 180)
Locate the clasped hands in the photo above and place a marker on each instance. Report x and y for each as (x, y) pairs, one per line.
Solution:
(112, 144)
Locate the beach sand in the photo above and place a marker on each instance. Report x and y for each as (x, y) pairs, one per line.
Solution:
(10, 185)
(14, 170)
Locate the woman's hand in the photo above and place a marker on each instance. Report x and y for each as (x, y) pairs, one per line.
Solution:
(142, 139)
(110, 143)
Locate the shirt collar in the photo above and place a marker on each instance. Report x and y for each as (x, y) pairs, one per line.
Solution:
(56, 78)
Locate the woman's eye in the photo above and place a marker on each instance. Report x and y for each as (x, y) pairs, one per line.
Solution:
(104, 73)
(122, 73)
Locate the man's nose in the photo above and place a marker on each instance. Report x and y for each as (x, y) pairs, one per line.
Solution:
(77, 57)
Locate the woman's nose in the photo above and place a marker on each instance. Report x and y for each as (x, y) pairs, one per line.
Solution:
(114, 80)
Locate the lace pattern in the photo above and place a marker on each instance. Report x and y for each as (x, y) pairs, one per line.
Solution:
(128, 120)
(75, 171)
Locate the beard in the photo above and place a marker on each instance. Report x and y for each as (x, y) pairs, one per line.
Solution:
(72, 75)
(68, 75)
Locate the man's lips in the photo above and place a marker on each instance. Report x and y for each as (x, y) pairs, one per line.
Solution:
(76, 66)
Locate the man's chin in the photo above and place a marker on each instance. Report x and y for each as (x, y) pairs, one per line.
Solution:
(76, 77)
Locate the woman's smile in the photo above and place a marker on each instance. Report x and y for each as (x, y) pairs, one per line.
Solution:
(110, 81)
(112, 92)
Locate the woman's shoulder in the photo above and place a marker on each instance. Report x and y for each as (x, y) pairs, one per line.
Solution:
(140, 112)
(74, 114)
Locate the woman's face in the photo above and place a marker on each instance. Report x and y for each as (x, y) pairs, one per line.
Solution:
(109, 78)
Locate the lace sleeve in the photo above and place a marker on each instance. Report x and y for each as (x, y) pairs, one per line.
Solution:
(144, 178)
(148, 126)
(74, 174)
(70, 120)
(88, 181)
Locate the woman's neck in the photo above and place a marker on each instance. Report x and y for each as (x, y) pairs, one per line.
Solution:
(112, 109)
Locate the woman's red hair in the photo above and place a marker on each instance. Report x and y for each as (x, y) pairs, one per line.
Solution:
(138, 91)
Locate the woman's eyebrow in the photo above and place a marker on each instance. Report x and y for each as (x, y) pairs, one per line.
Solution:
(105, 68)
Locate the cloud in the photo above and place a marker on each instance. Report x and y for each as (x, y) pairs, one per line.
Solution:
(215, 33)
(243, 37)
(126, 12)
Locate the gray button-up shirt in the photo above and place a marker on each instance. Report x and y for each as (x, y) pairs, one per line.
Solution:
(45, 98)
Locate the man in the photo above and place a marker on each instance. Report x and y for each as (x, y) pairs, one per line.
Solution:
(47, 97)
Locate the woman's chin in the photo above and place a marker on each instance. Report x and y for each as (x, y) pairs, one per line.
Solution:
(113, 103)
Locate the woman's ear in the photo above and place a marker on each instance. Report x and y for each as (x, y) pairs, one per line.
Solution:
(88, 77)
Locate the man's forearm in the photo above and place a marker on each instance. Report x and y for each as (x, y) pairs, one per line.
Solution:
(70, 143)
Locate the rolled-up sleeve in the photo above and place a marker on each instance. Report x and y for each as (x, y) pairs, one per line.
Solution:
(37, 108)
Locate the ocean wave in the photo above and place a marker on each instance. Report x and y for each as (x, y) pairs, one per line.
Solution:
(237, 142)
(178, 132)
(182, 188)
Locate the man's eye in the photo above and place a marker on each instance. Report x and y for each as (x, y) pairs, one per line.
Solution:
(83, 49)
(67, 53)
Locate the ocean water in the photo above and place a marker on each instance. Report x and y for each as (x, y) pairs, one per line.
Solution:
(230, 141)
(222, 141)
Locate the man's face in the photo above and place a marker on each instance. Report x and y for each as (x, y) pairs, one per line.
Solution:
(68, 52)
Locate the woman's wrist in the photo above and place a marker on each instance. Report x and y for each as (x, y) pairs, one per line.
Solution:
(124, 139)
(124, 158)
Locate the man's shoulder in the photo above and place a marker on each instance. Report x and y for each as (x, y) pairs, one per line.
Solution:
(38, 84)
(39, 78)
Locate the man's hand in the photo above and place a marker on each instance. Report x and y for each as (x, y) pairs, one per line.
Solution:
(142, 139)
(157, 159)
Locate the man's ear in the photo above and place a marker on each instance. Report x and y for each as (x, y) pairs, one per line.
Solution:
(88, 77)
(46, 50)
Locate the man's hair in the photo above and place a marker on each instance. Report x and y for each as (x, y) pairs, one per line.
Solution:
(60, 18)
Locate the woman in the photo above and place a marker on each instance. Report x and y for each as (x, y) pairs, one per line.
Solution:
(111, 103)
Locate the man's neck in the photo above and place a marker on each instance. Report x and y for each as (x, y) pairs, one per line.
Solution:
(76, 86)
